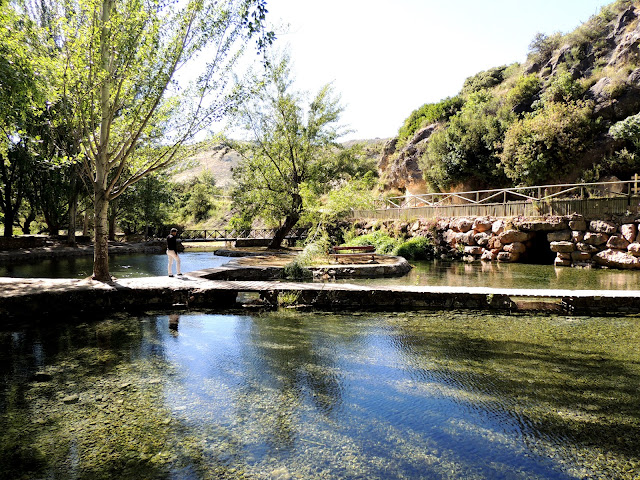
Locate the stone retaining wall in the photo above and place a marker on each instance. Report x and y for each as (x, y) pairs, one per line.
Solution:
(17, 243)
(561, 240)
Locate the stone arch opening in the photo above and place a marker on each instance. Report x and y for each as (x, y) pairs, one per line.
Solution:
(538, 250)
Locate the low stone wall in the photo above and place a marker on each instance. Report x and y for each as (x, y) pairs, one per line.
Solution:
(561, 240)
(17, 243)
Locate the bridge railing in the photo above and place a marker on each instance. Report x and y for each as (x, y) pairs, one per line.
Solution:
(615, 197)
(232, 234)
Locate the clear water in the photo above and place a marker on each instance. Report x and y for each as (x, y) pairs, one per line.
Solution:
(507, 275)
(287, 395)
(120, 266)
(511, 275)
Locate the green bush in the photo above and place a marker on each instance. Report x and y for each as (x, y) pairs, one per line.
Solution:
(384, 243)
(418, 248)
(427, 114)
(546, 145)
(524, 91)
(483, 80)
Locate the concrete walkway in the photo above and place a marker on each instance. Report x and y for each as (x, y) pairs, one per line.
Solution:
(34, 297)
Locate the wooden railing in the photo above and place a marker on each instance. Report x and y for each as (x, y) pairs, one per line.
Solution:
(599, 198)
(231, 234)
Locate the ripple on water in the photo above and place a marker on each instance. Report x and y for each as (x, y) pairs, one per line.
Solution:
(300, 395)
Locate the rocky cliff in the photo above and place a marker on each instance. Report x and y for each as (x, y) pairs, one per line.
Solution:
(602, 57)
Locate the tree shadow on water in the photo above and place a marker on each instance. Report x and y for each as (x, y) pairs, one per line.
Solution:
(558, 384)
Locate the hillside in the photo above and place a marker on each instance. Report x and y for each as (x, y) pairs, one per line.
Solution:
(569, 113)
(220, 160)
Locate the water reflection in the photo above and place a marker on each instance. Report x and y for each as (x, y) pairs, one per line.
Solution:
(296, 395)
(120, 266)
(511, 275)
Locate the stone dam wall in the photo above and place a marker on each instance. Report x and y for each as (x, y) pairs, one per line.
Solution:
(568, 241)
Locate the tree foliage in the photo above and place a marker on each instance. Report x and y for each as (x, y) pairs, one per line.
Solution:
(467, 148)
(546, 143)
(116, 82)
(290, 143)
(427, 114)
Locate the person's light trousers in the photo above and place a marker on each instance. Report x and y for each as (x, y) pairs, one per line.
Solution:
(173, 256)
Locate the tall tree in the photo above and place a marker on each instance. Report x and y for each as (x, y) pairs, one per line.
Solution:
(289, 142)
(21, 95)
(119, 76)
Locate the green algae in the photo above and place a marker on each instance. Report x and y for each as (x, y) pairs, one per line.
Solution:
(300, 395)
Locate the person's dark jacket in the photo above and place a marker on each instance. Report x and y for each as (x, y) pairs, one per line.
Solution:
(171, 242)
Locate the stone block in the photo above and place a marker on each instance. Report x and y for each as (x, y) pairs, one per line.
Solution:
(617, 242)
(562, 247)
(489, 256)
(462, 225)
(482, 239)
(507, 257)
(559, 236)
(578, 224)
(602, 226)
(497, 227)
(579, 256)
(482, 225)
(629, 231)
(442, 225)
(450, 237)
(511, 236)
(585, 247)
(577, 236)
(473, 250)
(564, 255)
(467, 238)
(561, 262)
(547, 225)
(634, 249)
(598, 238)
(495, 243)
(617, 259)
(515, 247)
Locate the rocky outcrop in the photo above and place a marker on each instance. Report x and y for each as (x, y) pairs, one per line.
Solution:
(605, 61)
(399, 168)
(563, 240)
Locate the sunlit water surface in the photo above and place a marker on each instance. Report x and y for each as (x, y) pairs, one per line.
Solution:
(298, 395)
(511, 275)
(498, 275)
(120, 266)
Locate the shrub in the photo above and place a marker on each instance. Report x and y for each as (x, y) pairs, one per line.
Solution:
(523, 92)
(427, 114)
(483, 80)
(547, 144)
(297, 269)
(418, 248)
(384, 243)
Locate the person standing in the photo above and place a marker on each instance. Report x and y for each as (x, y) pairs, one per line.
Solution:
(172, 251)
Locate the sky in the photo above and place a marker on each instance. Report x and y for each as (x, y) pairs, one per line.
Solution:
(386, 58)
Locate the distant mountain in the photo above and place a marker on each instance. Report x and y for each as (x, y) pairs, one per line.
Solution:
(569, 113)
(220, 160)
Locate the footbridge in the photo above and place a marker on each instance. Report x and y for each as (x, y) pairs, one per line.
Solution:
(233, 234)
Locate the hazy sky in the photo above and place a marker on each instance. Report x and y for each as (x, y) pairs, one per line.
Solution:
(388, 57)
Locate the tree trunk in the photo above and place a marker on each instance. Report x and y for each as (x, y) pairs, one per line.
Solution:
(73, 212)
(8, 223)
(29, 219)
(100, 192)
(281, 233)
(85, 224)
(112, 219)
(289, 222)
(101, 238)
